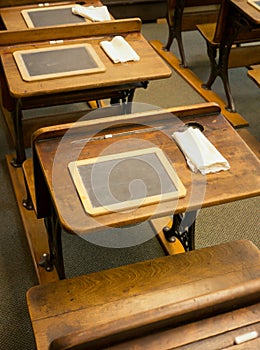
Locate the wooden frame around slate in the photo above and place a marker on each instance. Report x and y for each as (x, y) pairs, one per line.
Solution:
(51, 16)
(57, 61)
(103, 182)
(255, 3)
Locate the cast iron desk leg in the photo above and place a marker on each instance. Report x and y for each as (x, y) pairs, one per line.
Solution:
(220, 68)
(174, 21)
(19, 141)
(55, 256)
(183, 228)
(128, 97)
(27, 202)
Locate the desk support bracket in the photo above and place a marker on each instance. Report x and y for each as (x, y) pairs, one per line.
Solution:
(55, 256)
(183, 229)
(219, 66)
(175, 28)
(19, 141)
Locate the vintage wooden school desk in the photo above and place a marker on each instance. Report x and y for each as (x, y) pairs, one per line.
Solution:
(12, 17)
(16, 27)
(56, 198)
(118, 81)
(15, 30)
(121, 86)
(238, 23)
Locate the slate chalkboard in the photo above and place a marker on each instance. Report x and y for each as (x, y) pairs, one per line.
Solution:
(51, 16)
(58, 61)
(126, 180)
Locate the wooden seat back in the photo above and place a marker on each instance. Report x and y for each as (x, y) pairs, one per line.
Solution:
(221, 22)
(195, 11)
(194, 3)
(15, 37)
(106, 308)
(240, 55)
(8, 3)
(215, 32)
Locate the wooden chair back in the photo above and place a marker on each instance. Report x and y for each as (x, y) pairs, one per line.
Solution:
(128, 303)
(14, 37)
(193, 3)
(155, 320)
(221, 21)
(8, 3)
(223, 26)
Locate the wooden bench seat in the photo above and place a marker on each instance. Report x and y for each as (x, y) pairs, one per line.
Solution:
(240, 56)
(118, 305)
(254, 73)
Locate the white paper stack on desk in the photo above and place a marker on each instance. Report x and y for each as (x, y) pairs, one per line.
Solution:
(119, 50)
(95, 14)
(199, 152)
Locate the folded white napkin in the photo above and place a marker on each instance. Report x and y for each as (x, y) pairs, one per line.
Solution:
(96, 14)
(199, 152)
(119, 50)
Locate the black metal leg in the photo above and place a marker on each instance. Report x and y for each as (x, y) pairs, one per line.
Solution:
(99, 104)
(223, 64)
(127, 104)
(183, 229)
(19, 141)
(220, 69)
(121, 98)
(27, 202)
(170, 22)
(55, 255)
(127, 96)
(174, 21)
(181, 49)
(212, 53)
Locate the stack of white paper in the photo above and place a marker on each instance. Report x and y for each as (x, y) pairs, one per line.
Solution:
(199, 152)
(96, 14)
(119, 50)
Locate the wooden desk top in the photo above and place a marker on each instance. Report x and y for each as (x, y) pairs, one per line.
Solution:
(13, 20)
(248, 10)
(52, 155)
(151, 66)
